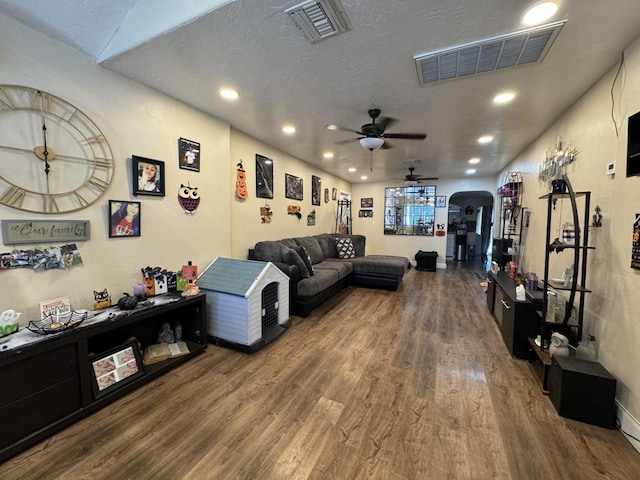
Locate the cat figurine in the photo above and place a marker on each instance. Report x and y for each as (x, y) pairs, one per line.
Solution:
(102, 299)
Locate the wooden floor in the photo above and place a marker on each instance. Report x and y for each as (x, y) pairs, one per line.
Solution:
(414, 384)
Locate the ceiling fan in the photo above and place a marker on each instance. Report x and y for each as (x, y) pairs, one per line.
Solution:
(413, 179)
(373, 134)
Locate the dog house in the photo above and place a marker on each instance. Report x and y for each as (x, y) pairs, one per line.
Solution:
(247, 303)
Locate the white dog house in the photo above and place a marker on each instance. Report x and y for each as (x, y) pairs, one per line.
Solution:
(247, 303)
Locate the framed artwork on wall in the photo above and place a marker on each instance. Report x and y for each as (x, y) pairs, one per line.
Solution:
(334, 193)
(366, 203)
(188, 155)
(264, 177)
(315, 190)
(293, 187)
(124, 218)
(148, 176)
(441, 201)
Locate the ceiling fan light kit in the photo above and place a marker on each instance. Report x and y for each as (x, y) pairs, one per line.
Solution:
(371, 143)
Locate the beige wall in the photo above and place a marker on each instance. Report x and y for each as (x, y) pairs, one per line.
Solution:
(611, 312)
(136, 120)
(246, 225)
(373, 228)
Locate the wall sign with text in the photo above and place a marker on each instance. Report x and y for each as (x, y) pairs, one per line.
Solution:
(44, 231)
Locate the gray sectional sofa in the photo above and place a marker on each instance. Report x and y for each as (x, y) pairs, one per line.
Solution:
(316, 271)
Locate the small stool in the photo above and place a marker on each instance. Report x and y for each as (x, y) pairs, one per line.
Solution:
(426, 261)
(582, 390)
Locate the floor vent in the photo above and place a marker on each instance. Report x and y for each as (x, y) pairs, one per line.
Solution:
(320, 19)
(505, 51)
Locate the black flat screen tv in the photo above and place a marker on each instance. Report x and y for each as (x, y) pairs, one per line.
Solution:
(633, 146)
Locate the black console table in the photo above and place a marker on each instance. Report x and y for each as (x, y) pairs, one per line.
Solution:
(47, 379)
(517, 320)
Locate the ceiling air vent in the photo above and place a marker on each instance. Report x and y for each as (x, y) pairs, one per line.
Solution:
(505, 51)
(320, 19)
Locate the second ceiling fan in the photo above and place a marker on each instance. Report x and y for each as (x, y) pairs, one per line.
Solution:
(373, 135)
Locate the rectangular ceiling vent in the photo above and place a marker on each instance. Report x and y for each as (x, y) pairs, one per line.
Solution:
(512, 50)
(320, 19)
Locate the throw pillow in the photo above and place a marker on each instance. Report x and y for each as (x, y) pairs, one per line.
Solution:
(345, 248)
(291, 257)
(304, 255)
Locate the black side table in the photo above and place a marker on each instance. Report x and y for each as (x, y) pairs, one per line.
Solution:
(582, 390)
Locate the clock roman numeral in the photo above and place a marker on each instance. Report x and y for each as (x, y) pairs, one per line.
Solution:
(103, 162)
(50, 205)
(13, 197)
(98, 183)
(81, 199)
(5, 102)
(40, 101)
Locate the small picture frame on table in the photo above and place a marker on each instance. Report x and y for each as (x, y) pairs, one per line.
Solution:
(148, 176)
(115, 368)
(124, 218)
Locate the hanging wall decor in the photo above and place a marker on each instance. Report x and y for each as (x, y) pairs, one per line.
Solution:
(264, 177)
(148, 176)
(124, 218)
(635, 246)
(293, 187)
(188, 198)
(241, 182)
(315, 190)
(334, 194)
(189, 155)
(266, 213)
(326, 195)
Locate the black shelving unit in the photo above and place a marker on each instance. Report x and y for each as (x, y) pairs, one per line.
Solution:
(576, 287)
(511, 219)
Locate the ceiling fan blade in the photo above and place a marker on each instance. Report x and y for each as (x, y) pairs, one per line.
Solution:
(428, 178)
(406, 136)
(386, 122)
(344, 129)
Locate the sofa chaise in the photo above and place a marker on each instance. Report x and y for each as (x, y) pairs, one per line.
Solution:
(320, 266)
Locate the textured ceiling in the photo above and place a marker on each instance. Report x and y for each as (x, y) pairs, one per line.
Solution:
(191, 49)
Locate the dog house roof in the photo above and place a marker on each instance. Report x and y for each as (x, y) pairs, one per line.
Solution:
(235, 277)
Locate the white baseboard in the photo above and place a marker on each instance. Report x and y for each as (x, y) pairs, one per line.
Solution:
(441, 265)
(628, 424)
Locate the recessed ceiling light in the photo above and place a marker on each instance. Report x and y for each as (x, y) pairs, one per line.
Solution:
(363, 177)
(289, 129)
(228, 93)
(327, 154)
(332, 127)
(352, 169)
(502, 98)
(539, 13)
(485, 139)
(471, 171)
(474, 160)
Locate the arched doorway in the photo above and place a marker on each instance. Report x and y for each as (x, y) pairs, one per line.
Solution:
(470, 221)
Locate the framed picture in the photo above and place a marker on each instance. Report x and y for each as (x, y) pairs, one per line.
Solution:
(365, 213)
(264, 177)
(441, 201)
(315, 190)
(188, 155)
(124, 218)
(115, 368)
(326, 195)
(366, 203)
(334, 193)
(293, 187)
(148, 176)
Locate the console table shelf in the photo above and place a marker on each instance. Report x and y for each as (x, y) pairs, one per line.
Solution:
(51, 375)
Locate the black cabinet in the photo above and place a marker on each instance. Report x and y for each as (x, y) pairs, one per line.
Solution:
(47, 383)
(517, 320)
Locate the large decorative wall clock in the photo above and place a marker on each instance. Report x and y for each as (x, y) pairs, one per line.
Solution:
(53, 157)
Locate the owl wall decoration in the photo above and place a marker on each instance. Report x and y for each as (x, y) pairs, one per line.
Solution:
(188, 198)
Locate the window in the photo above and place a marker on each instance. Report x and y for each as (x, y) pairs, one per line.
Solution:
(409, 210)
